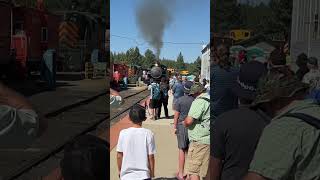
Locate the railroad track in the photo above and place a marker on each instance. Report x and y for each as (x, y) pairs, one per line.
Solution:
(85, 117)
(126, 95)
(129, 101)
(59, 133)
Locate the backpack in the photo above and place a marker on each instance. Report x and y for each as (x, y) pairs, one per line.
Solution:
(204, 98)
(208, 100)
(156, 91)
(164, 91)
(315, 122)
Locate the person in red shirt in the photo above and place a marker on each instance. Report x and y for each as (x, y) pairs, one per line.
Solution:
(242, 57)
(117, 76)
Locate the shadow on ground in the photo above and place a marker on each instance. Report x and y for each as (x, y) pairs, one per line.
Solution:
(170, 117)
(32, 87)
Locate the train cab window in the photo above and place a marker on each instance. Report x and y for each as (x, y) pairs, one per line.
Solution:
(246, 34)
(18, 27)
(44, 34)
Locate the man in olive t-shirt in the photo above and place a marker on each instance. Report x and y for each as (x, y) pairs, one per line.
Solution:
(198, 124)
(289, 147)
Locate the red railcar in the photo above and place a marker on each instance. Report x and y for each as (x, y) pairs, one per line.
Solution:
(118, 73)
(122, 70)
(29, 33)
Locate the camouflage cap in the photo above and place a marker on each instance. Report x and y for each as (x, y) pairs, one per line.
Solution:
(196, 88)
(277, 85)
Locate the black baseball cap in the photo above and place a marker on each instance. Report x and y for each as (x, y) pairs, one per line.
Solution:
(248, 79)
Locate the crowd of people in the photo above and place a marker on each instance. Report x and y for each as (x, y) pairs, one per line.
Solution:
(266, 119)
(256, 120)
(191, 106)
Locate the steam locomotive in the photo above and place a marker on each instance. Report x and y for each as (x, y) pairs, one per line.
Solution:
(158, 71)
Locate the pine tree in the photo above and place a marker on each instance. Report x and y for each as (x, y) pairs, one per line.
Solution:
(226, 15)
(180, 62)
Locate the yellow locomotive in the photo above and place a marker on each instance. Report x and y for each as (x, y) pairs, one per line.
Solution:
(240, 34)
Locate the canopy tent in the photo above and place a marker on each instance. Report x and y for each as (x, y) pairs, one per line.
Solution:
(234, 50)
(191, 77)
(256, 53)
(267, 48)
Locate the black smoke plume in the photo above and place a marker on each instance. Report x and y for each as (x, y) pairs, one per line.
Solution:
(152, 17)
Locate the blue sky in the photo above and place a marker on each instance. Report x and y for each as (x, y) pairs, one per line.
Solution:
(191, 24)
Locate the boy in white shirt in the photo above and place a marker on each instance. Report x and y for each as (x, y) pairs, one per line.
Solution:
(136, 148)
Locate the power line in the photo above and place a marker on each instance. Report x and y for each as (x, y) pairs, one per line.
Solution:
(124, 37)
(164, 42)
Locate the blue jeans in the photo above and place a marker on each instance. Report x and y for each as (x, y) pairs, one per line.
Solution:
(125, 80)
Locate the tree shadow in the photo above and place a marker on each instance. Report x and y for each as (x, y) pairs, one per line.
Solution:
(32, 87)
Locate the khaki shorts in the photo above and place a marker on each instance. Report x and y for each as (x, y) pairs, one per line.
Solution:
(198, 159)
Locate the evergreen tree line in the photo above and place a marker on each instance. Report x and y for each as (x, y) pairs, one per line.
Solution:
(93, 6)
(272, 19)
(146, 60)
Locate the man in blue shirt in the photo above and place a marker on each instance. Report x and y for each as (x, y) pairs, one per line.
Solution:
(177, 90)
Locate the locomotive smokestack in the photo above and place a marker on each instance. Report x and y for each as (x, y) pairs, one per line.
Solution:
(152, 18)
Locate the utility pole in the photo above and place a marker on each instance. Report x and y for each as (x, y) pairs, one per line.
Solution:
(100, 28)
(105, 26)
(310, 25)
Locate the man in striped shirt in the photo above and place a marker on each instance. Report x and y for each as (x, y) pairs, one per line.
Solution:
(224, 78)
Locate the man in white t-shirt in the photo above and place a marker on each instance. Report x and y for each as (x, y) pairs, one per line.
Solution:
(136, 148)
